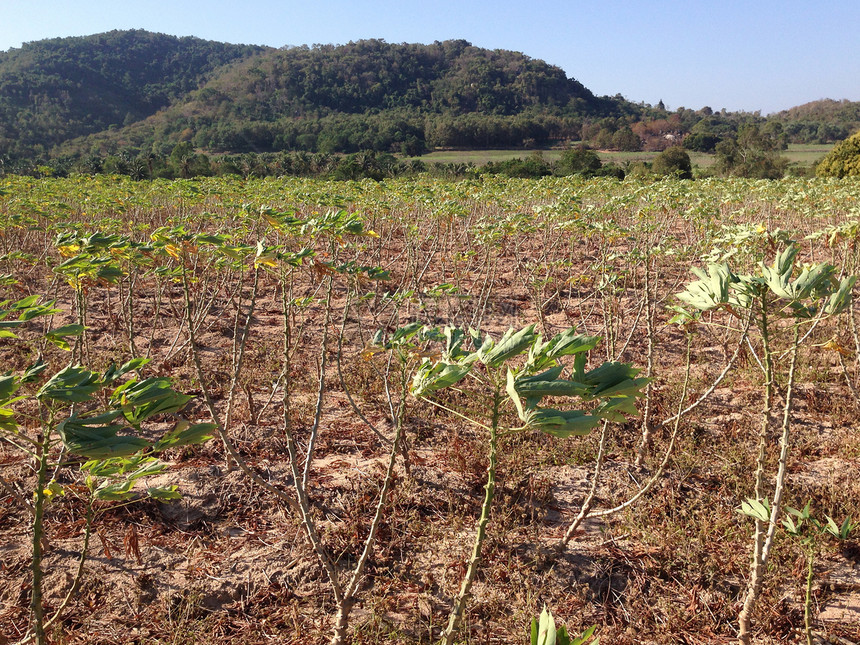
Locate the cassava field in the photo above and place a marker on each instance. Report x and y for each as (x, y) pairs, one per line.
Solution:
(419, 410)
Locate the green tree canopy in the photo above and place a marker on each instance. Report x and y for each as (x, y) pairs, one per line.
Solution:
(753, 153)
(675, 162)
(579, 161)
(843, 160)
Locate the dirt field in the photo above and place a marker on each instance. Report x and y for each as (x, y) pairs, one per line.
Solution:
(231, 562)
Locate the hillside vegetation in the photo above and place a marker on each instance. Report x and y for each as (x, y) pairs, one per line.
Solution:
(843, 160)
(373, 95)
(58, 89)
(136, 94)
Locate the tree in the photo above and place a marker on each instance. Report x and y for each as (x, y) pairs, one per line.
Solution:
(752, 154)
(675, 162)
(626, 140)
(701, 142)
(843, 160)
(579, 161)
(185, 163)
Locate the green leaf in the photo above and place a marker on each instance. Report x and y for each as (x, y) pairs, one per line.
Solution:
(588, 633)
(546, 628)
(784, 261)
(67, 330)
(431, 377)
(34, 371)
(111, 491)
(560, 423)
(756, 509)
(566, 343)
(617, 409)
(841, 298)
(98, 441)
(7, 415)
(711, 290)
(113, 372)
(839, 532)
(454, 338)
(631, 387)
(682, 316)
(185, 434)
(510, 344)
(8, 387)
(72, 385)
(406, 332)
(164, 493)
(29, 301)
(559, 387)
(790, 527)
(147, 398)
(613, 379)
(477, 341)
(561, 636)
(511, 389)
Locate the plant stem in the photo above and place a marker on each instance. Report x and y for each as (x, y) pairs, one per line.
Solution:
(340, 375)
(38, 535)
(784, 442)
(78, 574)
(649, 369)
(663, 463)
(807, 604)
(757, 567)
(589, 499)
(718, 380)
(323, 363)
(456, 616)
(345, 607)
(210, 404)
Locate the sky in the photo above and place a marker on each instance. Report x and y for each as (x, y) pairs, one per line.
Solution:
(751, 55)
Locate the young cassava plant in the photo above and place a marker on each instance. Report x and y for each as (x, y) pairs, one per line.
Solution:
(89, 418)
(544, 632)
(783, 300)
(516, 374)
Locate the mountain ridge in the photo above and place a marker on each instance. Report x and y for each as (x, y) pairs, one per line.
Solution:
(142, 91)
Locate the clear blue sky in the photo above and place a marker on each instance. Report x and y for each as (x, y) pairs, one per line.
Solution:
(742, 55)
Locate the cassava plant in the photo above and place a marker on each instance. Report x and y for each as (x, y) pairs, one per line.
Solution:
(544, 632)
(511, 378)
(82, 417)
(91, 261)
(332, 230)
(807, 531)
(783, 300)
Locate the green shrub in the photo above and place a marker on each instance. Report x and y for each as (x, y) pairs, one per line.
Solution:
(674, 162)
(843, 160)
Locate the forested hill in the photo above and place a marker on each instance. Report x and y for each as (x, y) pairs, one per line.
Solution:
(57, 89)
(135, 93)
(380, 96)
(823, 120)
(364, 95)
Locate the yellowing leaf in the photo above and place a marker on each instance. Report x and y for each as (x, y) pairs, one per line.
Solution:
(265, 261)
(173, 250)
(835, 346)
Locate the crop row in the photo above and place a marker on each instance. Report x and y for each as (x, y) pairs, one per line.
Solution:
(477, 334)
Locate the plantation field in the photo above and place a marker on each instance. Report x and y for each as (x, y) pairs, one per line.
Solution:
(419, 410)
(801, 155)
